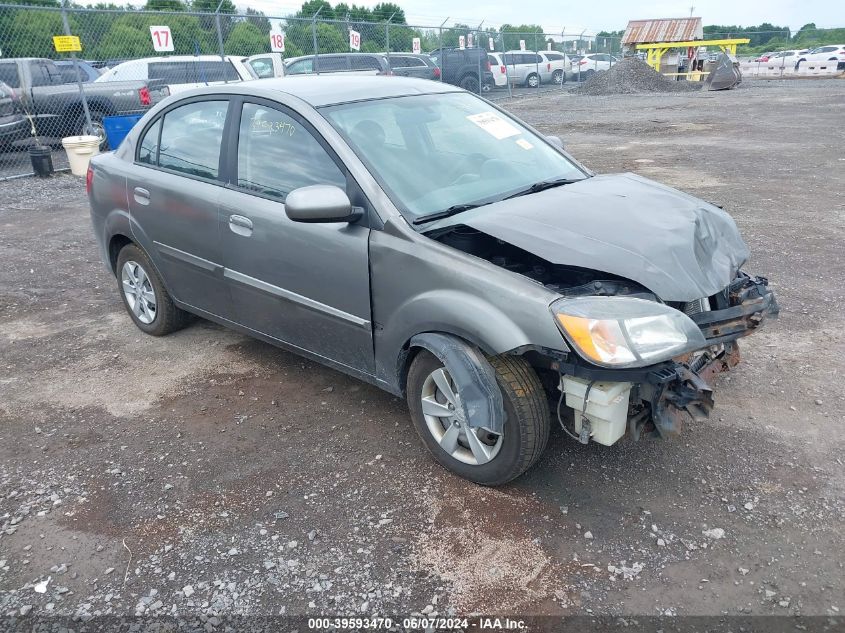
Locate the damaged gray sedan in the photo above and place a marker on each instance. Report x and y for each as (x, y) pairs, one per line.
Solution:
(419, 238)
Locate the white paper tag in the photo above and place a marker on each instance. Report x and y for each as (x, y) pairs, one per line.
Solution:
(494, 125)
(524, 144)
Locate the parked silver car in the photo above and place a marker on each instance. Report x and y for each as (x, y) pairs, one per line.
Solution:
(419, 238)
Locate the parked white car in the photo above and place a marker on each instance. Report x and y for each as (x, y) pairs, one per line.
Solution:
(557, 64)
(830, 52)
(785, 59)
(499, 70)
(183, 72)
(527, 68)
(589, 65)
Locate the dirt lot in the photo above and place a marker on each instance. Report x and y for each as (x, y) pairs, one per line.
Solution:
(208, 473)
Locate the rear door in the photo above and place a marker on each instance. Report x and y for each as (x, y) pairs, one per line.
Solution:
(306, 285)
(174, 193)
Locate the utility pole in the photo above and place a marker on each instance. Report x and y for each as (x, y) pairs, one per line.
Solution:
(314, 39)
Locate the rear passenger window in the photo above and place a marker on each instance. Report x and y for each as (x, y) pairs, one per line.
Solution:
(365, 63)
(202, 72)
(169, 72)
(277, 154)
(148, 150)
(191, 136)
(331, 64)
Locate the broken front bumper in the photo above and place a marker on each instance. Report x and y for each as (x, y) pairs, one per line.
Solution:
(664, 395)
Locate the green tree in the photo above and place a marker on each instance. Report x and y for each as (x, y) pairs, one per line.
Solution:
(258, 20)
(531, 33)
(165, 5)
(246, 39)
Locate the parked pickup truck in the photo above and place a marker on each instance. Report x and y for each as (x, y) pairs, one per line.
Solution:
(57, 106)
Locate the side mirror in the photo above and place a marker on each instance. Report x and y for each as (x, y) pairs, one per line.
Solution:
(320, 203)
(555, 140)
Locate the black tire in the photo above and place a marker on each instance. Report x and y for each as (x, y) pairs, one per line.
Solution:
(168, 318)
(526, 429)
(558, 77)
(96, 128)
(589, 74)
(470, 83)
(532, 77)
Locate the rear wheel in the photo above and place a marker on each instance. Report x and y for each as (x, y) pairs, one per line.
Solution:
(96, 127)
(589, 74)
(486, 458)
(470, 83)
(144, 295)
(557, 77)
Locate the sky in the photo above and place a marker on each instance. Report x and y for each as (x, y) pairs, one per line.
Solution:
(591, 17)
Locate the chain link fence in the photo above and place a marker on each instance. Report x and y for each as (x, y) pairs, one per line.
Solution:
(128, 60)
(131, 59)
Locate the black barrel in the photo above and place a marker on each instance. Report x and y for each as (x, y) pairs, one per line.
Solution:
(41, 159)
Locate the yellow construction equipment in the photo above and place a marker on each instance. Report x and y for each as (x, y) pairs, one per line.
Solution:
(725, 75)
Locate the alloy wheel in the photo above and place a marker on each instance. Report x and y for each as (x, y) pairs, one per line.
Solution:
(444, 417)
(139, 292)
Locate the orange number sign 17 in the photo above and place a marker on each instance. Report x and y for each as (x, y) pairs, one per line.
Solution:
(162, 38)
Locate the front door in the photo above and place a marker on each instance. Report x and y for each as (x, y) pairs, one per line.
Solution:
(174, 202)
(306, 285)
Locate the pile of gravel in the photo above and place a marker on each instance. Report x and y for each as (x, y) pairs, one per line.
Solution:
(630, 76)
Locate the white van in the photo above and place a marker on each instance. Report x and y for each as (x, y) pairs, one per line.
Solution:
(183, 72)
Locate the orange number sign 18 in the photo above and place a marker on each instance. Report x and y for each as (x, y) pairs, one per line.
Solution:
(277, 42)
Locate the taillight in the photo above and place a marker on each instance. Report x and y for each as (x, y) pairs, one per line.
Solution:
(549, 66)
(488, 65)
(144, 96)
(437, 72)
(89, 180)
(503, 70)
(582, 62)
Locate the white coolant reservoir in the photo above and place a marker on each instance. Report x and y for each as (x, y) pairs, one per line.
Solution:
(607, 407)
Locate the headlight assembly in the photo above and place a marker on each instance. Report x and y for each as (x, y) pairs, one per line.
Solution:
(624, 331)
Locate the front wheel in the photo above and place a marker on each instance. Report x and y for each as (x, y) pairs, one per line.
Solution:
(557, 77)
(532, 81)
(483, 457)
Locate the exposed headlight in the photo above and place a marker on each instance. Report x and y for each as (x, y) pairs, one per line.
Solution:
(624, 331)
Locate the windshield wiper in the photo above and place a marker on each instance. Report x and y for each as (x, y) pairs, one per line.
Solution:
(542, 186)
(439, 215)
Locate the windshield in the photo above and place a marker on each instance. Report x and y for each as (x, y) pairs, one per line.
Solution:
(433, 152)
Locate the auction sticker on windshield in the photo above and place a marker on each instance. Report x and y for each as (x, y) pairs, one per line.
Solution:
(494, 125)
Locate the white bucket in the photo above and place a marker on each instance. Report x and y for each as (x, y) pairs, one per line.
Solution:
(79, 151)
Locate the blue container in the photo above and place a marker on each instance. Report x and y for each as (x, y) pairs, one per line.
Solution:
(117, 127)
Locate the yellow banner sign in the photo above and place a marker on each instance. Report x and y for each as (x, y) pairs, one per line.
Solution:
(67, 44)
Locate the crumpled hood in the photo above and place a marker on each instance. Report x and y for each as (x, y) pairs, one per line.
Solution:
(679, 247)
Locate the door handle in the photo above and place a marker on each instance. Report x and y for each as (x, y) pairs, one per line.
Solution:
(240, 225)
(142, 196)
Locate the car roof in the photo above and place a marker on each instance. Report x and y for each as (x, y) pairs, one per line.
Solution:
(322, 91)
(180, 58)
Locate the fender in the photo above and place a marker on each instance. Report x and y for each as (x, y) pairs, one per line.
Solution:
(449, 311)
(480, 397)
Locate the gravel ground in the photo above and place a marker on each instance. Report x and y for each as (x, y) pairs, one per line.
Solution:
(632, 76)
(208, 474)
